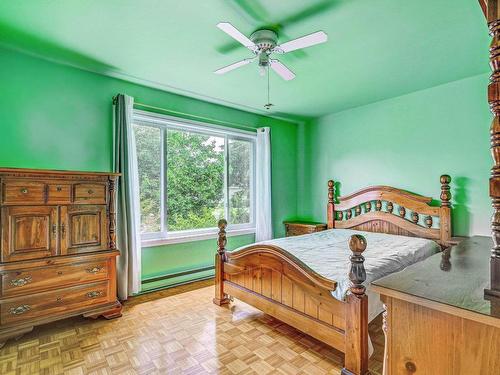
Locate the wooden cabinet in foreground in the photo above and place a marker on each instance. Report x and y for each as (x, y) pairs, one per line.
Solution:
(58, 255)
(437, 319)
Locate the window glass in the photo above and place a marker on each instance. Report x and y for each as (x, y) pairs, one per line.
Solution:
(239, 154)
(148, 143)
(190, 179)
(195, 180)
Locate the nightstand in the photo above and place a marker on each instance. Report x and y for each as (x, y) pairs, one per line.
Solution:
(296, 228)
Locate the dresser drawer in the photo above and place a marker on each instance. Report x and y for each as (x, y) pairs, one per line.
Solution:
(59, 193)
(90, 193)
(23, 192)
(52, 303)
(27, 281)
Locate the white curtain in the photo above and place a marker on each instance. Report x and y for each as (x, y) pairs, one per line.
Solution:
(264, 226)
(128, 206)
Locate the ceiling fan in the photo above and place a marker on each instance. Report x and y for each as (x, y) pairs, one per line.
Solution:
(263, 43)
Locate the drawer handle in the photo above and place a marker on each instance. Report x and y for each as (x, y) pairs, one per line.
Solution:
(95, 294)
(94, 270)
(90, 191)
(24, 191)
(20, 309)
(59, 188)
(63, 230)
(21, 281)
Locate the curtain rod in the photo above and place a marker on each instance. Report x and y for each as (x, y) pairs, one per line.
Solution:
(196, 117)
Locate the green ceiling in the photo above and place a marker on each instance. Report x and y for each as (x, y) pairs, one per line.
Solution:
(377, 49)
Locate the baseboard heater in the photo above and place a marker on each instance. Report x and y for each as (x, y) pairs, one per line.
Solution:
(177, 274)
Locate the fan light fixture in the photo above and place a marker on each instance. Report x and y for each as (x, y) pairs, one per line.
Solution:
(263, 43)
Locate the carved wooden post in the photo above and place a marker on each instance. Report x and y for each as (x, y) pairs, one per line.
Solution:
(330, 212)
(445, 224)
(428, 221)
(112, 212)
(220, 297)
(356, 331)
(414, 217)
(493, 17)
(402, 211)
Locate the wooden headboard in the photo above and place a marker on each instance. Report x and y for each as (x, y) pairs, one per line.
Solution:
(384, 209)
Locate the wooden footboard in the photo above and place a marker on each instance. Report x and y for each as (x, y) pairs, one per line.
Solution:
(282, 286)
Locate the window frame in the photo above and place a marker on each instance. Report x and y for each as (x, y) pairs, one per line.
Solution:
(165, 122)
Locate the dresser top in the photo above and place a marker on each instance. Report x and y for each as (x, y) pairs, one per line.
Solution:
(456, 277)
(4, 170)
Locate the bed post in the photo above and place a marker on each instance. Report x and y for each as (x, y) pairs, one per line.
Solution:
(330, 212)
(444, 217)
(356, 330)
(493, 18)
(220, 297)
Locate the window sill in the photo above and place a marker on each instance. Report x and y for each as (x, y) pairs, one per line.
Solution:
(191, 237)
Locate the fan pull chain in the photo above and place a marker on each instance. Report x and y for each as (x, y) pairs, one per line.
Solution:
(268, 105)
(268, 93)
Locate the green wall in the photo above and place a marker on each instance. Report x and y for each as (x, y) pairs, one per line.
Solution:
(58, 117)
(407, 142)
(156, 260)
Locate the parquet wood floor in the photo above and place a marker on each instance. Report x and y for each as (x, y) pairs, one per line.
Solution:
(176, 331)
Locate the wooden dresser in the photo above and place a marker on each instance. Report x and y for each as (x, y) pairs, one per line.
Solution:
(58, 247)
(297, 228)
(437, 319)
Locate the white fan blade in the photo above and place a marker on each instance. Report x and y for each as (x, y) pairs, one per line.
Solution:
(282, 70)
(236, 34)
(303, 42)
(233, 66)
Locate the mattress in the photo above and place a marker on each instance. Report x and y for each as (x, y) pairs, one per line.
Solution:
(327, 253)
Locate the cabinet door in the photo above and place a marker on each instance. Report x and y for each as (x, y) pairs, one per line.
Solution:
(83, 229)
(29, 232)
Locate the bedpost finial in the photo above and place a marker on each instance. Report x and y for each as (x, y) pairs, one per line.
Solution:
(445, 190)
(357, 243)
(331, 186)
(357, 273)
(221, 240)
(222, 224)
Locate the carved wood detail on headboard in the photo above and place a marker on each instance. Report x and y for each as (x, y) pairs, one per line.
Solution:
(373, 209)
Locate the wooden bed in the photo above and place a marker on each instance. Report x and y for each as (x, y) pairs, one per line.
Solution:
(274, 281)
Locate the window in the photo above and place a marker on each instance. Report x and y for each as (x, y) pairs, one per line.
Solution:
(190, 176)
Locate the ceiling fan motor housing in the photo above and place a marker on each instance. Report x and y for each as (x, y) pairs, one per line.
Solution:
(265, 40)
